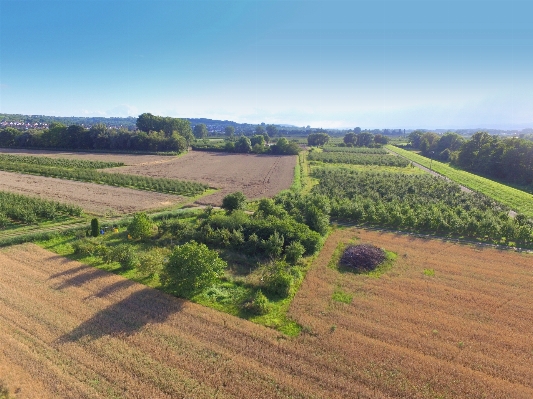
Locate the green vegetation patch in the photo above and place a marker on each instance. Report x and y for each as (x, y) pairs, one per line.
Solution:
(358, 159)
(341, 296)
(56, 162)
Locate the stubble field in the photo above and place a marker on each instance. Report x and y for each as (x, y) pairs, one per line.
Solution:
(447, 321)
(257, 176)
(95, 198)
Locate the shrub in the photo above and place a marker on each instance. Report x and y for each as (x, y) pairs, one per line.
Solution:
(141, 227)
(259, 304)
(294, 252)
(84, 247)
(191, 268)
(364, 257)
(95, 227)
(274, 245)
(278, 281)
(125, 255)
(152, 262)
(234, 201)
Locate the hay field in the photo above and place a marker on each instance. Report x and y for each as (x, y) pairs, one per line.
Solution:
(462, 331)
(257, 176)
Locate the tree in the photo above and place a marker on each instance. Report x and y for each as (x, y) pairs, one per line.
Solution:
(200, 131)
(234, 201)
(285, 147)
(365, 139)
(350, 139)
(259, 129)
(414, 138)
(317, 139)
(357, 130)
(381, 139)
(229, 131)
(141, 227)
(272, 130)
(243, 144)
(257, 139)
(95, 228)
(191, 268)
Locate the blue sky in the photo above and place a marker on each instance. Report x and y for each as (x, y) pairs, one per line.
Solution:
(374, 64)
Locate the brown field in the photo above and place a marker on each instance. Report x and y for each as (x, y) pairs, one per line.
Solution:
(257, 176)
(71, 331)
(94, 198)
(127, 159)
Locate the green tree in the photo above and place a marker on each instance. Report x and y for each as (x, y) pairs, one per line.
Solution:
(200, 131)
(229, 131)
(272, 130)
(317, 139)
(259, 129)
(191, 268)
(257, 139)
(141, 227)
(243, 144)
(234, 201)
(95, 227)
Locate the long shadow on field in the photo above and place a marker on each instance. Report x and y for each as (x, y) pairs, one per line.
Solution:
(128, 316)
(82, 275)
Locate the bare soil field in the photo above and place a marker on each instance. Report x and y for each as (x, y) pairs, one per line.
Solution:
(127, 159)
(72, 331)
(94, 198)
(257, 176)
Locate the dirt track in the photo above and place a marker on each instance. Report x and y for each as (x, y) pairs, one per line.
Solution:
(257, 176)
(94, 198)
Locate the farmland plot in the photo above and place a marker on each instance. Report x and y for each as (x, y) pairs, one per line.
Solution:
(94, 198)
(127, 159)
(447, 321)
(257, 176)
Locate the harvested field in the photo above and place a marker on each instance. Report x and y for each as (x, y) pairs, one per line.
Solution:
(448, 321)
(94, 198)
(127, 159)
(72, 331)
(257, 176)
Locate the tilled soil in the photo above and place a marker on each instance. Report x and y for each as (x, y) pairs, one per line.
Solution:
(257, 176)
(94, 198)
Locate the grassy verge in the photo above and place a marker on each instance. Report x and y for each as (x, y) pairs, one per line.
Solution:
(517, 200)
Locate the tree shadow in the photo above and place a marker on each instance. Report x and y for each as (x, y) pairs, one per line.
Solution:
(127, 316)
(87, 274)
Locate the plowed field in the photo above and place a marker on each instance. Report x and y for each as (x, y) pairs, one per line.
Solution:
(257, 176)
(95, 198)
(127, 159)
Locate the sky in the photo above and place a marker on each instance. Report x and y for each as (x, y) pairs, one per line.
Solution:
(334, 64)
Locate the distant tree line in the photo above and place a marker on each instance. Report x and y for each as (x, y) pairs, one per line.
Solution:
(154, 134)
(509, 159)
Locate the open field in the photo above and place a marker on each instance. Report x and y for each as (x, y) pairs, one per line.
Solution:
(447, 321)
(127, 159)
(517, 200)
(92, 197)
(257, 176)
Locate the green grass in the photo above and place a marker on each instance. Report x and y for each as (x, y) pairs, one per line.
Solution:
(517, 200)
(341, 296)
(429, 272)
(411, 170)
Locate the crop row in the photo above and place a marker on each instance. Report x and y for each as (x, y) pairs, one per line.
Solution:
(161, 185)
(517, 200)
(357, 150)
(358, 159)
(58, 162)
(28, 210)
(418, 203)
